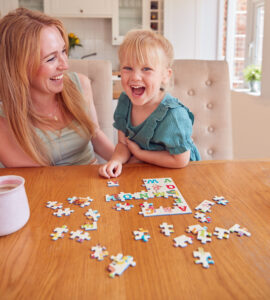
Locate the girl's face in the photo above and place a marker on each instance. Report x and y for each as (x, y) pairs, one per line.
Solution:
(142, 82)
(53, 62)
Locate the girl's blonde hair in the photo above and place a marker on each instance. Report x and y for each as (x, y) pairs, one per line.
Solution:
(144, 46)
(20, 60)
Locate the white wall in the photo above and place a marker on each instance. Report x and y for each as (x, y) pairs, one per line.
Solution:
(192, 27)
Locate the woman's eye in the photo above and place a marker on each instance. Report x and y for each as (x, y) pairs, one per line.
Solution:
(51, 59)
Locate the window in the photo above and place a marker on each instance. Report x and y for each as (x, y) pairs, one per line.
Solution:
(243, 37)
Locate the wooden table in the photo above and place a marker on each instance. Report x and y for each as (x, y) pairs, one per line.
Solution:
(32, 266)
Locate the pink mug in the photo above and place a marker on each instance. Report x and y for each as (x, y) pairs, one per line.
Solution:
(14, 208)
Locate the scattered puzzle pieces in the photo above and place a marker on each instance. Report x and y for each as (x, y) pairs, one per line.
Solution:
(63, 212)
(195, 228)
(202, 217)
(221, 233)
(54, 204)
(119, 264)
(124, 206)
(205, 258)
(79, 236)
(112, 183)
(89, 226)
(204, 236)
(99, 252)
(205, 206)
(220, 200)
(166, 228)
(82, 201)
(240, 231)
(93, 214)
(182, 240)
(141, 234)
(59, 232)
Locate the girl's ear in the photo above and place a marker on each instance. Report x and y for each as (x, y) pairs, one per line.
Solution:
(167, 76)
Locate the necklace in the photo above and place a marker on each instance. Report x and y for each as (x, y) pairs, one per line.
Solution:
(53, 114)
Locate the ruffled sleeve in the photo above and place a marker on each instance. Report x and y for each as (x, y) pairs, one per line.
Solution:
(121, 113)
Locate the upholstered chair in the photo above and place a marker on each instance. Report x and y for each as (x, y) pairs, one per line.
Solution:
(100, 74)
(203, 86)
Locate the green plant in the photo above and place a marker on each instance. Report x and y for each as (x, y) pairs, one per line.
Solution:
(73, 41)
(252, 73)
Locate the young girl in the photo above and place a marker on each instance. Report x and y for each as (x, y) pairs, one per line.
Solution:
(153, 126)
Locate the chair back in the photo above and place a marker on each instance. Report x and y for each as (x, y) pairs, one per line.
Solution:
(203, 86)
(100, 74)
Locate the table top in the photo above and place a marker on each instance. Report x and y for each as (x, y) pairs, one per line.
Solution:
(33, 266)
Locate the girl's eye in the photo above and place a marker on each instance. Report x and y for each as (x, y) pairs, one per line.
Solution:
(147, 69)
(127, 68)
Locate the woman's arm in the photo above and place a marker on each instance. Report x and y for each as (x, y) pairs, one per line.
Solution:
(101, 143)
(11, 153)
(159, 158)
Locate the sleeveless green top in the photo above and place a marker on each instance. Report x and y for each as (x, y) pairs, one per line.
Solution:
(66, 146)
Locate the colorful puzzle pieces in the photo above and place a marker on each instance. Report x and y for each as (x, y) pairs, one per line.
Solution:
(141, 234)
(119, 264)
(63, 212)
(93, 214)
(81, 201)
(204, 236)
(182, 240)
(202, 217)
(221, 233)
(205, 258)
(99, 252)
(59, 232)
(54, 204)
(220, 200)
(123, 206)
(166, 228)
(79, 236)
(112, 183)
(89, 226)
(205, 206)
(239, 230)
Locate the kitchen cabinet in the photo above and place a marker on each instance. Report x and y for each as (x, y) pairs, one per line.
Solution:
(129, 14)
(79, 8)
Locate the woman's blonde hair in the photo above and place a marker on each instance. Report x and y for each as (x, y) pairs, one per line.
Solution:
(144, 46)
(20, 59)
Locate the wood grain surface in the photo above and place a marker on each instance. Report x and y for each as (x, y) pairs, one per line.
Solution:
(32, 266)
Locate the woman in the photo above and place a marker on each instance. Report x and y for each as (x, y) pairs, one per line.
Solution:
(47, 116)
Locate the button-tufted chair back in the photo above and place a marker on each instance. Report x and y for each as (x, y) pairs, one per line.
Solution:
(100, 74)
(203, 86)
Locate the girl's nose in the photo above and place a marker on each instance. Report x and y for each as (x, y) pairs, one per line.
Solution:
(136, 74)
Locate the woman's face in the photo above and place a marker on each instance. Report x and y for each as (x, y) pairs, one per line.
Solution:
(53, 62)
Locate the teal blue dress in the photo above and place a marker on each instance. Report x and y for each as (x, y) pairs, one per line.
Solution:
(168, 128)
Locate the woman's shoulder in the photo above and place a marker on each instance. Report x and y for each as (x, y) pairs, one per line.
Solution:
(81, 81)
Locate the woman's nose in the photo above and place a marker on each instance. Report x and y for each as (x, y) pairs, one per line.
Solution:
(63, 62)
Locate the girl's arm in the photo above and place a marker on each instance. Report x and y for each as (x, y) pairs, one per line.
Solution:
(121, 155)
(101, 143)
(159, 158)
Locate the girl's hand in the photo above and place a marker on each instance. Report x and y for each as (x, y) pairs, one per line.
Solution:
(133, 147)
(113, 168)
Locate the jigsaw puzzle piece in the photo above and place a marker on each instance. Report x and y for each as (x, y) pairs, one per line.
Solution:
(205, 258)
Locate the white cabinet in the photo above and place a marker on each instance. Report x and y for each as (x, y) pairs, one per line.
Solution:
(79, 8)
(129, 14)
